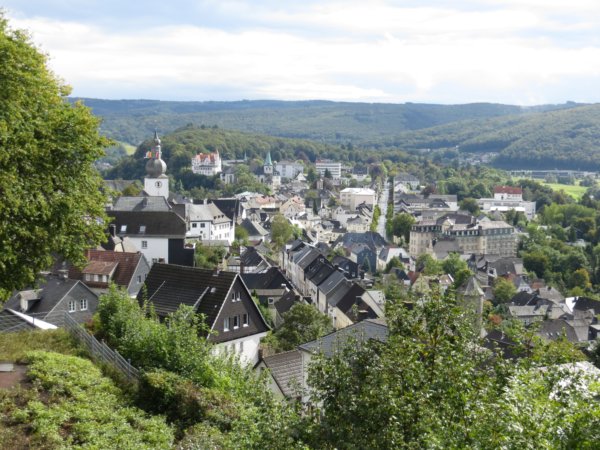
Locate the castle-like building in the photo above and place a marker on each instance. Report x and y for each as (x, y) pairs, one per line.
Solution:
(208, 164)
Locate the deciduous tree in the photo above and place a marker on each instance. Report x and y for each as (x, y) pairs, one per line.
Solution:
(51, 197)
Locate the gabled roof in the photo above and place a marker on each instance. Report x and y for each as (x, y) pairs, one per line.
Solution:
(170, 285)
(141, 203)
(143, 223)
(287, 371)
(229, 206)
(331, 282)
(253, 228)
(273, 278)
(361, 332)
(51, 291)
(586, 303)
(324, 270)
(251, 257)
(126, 264)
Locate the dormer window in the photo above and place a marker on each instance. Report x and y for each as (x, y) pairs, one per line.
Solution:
(123, 228)
(142, 228)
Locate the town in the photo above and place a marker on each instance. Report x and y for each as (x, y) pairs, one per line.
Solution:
(266, 274)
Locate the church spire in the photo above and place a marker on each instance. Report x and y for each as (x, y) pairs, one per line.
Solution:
(155, 167)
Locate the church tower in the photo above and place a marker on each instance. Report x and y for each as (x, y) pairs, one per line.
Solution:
(156, 183)
(268, 166)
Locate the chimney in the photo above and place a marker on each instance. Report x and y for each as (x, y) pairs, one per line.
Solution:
(113, 230)
(63, 274)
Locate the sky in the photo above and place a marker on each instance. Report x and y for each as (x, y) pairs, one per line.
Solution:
(523, 52)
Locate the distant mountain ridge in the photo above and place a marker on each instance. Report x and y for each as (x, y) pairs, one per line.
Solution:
(131, 121)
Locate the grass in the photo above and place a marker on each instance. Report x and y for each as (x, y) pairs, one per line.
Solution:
(14, 346)
(130, 149)
(574, 190)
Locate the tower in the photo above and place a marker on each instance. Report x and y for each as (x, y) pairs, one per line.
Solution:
(268, 166)
(156, 183)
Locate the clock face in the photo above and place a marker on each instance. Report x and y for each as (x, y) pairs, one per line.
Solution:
(158, 184)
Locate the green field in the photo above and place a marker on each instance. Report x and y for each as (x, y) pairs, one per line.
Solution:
(574, 190)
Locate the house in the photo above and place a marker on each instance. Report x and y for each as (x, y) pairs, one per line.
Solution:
(352, 197)
(507, 198)
(206, 222)
(408, 180)
(234, 321)
(55, 297)
(250, 261)
(288, 372)
(324, 166)
(159, 235)
(289, 169)
(208, 164)
(126, 270)
(256, 232)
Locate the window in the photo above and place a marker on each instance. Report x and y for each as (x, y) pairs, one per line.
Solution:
(72, 307)
(245, 321)
(202, 225)
(233, 296)
(236, 322)
(144, 244)
(139, 278)
(123, 228)
(226, 324)
(142, 228)
(237, 296)
(194, 225)
(83, 304)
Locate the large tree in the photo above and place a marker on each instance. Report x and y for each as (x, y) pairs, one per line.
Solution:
(52, 202)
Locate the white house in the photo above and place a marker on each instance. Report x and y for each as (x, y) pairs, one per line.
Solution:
(352, 197)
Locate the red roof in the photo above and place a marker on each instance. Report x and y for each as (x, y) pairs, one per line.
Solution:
(126, 264)
(508, 190)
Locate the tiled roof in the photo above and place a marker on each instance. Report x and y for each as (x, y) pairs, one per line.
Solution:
(169, 286)
(100, 267)
(126, 264)
(360, 332)
(508, 190)
(286, 370)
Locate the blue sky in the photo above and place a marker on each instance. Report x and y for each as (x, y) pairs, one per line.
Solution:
(507, 51)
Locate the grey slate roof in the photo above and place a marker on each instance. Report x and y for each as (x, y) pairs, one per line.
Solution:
(471, 288)
(51, 290)
(331, 282)
(156, 223)
(141, 203)
(286, 370)
(273, 278)
(361, 332)
(169, 286)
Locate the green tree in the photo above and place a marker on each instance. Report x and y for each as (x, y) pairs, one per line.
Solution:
(302, 323)
(503, 290)
(52, 201)
(470, 204)
(400, 226)
(281, 231)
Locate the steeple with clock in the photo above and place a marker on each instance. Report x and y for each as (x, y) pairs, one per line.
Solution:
(156, 183)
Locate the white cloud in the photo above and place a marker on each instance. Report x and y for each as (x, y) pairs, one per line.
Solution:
(350, 51)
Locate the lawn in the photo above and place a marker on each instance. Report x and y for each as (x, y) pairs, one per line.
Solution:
(574, 190)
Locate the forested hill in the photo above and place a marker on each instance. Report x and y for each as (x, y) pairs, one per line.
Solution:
(181, 145)
(563, 139)
(132, 121)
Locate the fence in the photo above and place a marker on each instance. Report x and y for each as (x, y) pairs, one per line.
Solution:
(99, 350)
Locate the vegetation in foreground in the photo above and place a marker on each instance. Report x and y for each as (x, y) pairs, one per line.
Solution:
(70, 404)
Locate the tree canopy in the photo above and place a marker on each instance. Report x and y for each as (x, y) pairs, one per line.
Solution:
(52, 202)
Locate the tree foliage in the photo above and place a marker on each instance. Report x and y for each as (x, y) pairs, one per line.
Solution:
(51, 196)
(302, 323)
